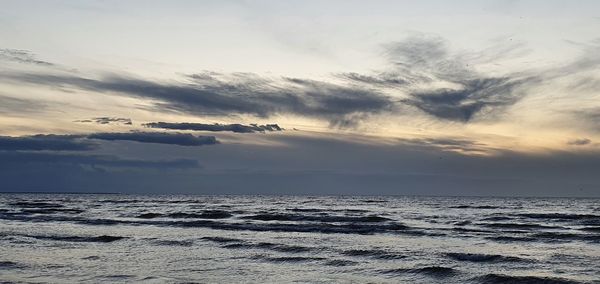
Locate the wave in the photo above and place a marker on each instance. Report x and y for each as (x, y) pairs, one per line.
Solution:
(53, 211)
(559, 216)
(222, 239)
(91, 257)
(35, 204)
(121, 201)
(182, 243)
(435, 271)
(209, 214)
(566, 236)
(150, 215)
(326, 228)
(497, 218)
(93, 239)
(288, 258)
(500, 278)
(548, 237)
(590, 222)
(591, 229)
(313, 210)
(241, 244)
(284, 248)
(318, 218)
(373, 201)
(340, 262)
(318, 210)
(476, 257)
(380, 254)
(475, 207)
(10, 265)
(521, 226)
(471, 230)
(505, 239)
(236, 246)
(268, 246)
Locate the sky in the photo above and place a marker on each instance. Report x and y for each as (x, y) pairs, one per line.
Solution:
(477, 98)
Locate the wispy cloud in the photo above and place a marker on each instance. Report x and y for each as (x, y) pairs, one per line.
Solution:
(420, 61)
(579, 142)
(244, 94)
(107, 120)
(22, 56)
(216, 127)
(473, 97)
(18, 106)
(425, 75)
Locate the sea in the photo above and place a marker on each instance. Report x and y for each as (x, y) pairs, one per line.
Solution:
(119, 238)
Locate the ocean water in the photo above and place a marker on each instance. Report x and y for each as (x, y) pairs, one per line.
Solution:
(67, 238)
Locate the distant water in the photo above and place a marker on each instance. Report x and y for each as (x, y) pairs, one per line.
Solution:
(265, 239)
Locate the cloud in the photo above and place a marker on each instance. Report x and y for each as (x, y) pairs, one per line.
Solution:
(425, 75)
(10, 159)
(21, 56)
(238, 128)
(590, 117)
(310, 164)
(16, 106)
(46, 142)
(181, 139)
(451, 145)
(470, 99)
(381, 79)
(107, 120)
(420, 61)
(53, 142)
(579, 142)
(240, 93)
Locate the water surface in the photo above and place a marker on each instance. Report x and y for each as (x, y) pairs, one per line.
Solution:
(61, 238)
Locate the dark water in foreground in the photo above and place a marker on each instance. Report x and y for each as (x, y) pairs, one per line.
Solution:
(265, 239)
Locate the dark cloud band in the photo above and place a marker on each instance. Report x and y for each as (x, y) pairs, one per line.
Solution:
(84, 142)
(181, 139)
(237, 128)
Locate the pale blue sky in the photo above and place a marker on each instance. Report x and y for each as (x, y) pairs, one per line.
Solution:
(300, 38)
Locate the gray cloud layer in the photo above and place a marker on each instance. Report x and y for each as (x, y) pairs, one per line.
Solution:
(237, 128)
(46, 142)
(15, 159)
(53, 142)
(21, 56)
(181, 139)
(312, 165)
(45, 152)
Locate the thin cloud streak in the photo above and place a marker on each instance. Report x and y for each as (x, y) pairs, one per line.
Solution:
(22, 56)
(181, 139)
(82, 142)
(107, 120)
(216, 127)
